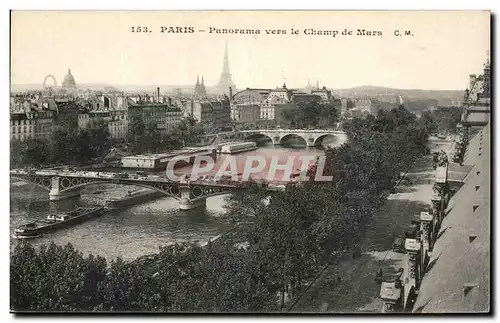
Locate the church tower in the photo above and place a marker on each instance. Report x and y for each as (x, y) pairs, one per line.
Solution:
(197, 86)
(203, 90)
(226, 79)
(308, 87)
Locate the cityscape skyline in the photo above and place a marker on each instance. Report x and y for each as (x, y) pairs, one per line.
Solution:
(445, 47)
(250, 162)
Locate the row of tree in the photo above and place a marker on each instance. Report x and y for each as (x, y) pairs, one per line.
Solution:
(183, 278)
(283, 239)
(442, 120)
(297, 231)
(66, 144)
(148, 138)
(69, 144)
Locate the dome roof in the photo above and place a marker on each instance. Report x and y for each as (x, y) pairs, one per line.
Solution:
(69, 80)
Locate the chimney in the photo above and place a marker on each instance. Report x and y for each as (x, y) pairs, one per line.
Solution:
(158, 93)
(472, 80)
(169, 101)
(230, 93)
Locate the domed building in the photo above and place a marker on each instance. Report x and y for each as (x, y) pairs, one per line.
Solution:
(69, 82)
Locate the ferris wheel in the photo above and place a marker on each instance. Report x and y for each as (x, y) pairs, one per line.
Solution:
(47, 84)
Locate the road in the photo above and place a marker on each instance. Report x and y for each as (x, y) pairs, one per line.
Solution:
(357, 290)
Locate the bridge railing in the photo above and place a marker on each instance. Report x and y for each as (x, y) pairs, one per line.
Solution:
(215, 181)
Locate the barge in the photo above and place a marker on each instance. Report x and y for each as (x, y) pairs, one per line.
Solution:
(235, 148)
(57, 221)
(134, 198)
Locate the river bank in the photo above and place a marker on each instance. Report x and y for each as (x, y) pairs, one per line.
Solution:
(137, 230)
(356, 291)
(127, 233)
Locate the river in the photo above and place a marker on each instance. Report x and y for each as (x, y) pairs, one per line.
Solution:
(134, 231)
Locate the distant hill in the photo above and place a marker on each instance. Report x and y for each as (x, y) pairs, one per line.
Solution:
(367, 90)
(385, 94)
(415, 99)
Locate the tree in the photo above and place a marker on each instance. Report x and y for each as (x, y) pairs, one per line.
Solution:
(63, 145)
(446, 119)
(426, 121)
(55, 278)
(31, 151)
(289, 236)
(152, 138)
(99, 137)
(136, 133)
(311, 114)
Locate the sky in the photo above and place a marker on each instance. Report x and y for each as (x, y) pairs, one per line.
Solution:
(443, 48)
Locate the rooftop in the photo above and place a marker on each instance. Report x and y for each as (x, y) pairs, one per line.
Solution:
(459, 276)
(188, 151)
(477, 118)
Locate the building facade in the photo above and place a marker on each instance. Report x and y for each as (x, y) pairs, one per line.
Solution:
(324, 94)
(112, 108)
(252, 105)
(365, 106)
(34, 125)
(31, 118)
(163, 116)
(216, 112)
(246, 105)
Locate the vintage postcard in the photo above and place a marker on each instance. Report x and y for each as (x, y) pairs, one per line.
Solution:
(250, 161)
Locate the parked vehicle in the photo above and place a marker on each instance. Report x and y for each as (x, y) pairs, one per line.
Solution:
(399, 243)
(121, 175)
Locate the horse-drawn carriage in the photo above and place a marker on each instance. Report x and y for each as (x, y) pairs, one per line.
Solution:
(410, 232)
(392, 293)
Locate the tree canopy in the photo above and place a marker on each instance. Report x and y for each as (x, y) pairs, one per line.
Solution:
(280, 240)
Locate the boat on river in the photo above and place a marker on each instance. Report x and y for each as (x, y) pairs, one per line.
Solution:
(54, 222)
(133, 198)
(234, 148)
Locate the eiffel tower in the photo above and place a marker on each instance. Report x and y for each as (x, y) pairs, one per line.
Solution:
(226, 80)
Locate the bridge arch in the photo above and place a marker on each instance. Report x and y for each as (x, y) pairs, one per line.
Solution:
(292, 135)
(336, 139)
(258, 137)
(166, 189)
(39, 184)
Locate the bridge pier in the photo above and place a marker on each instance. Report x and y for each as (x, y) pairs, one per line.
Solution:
(56, 194)
(186, 203)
